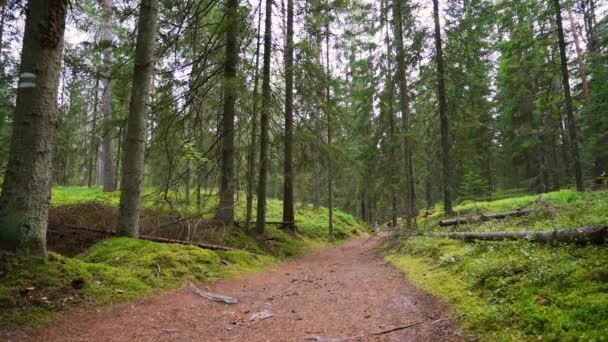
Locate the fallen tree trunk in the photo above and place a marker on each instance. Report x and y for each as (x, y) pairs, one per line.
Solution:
(157, 239)
(197, 244)
(583, 235)
(483, 217)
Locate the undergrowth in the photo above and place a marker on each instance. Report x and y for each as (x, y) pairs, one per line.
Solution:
(519, 290)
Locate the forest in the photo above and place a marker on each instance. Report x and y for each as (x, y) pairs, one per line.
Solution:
(148, 144)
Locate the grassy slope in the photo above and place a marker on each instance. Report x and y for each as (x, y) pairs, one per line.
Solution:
(120, 269)
(518, 290)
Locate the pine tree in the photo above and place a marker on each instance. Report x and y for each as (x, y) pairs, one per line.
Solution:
(135, 144)
(24, 202)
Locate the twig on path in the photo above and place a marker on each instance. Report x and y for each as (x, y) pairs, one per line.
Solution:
(370, 251)
(216, 297)
(403, 327)
(377, 333)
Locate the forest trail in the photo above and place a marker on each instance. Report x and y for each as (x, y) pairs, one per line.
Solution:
(344, 293)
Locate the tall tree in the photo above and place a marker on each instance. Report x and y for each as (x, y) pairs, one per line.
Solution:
(328, 114)
(254, 127)
(264, 121)
(443, 115)
(135, 144)
(25, 195)
(568, 98)
(404, 104)
(288, 172)
(107, 148)
(225, 209)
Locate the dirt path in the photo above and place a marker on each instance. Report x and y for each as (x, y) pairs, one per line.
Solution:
(345, 293)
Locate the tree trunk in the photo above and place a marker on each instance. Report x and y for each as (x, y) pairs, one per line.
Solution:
(135, 144)
(582, 70)
(25, 195)
(443, 116)
(251, 161)
(391, 118)
(107, 148)
(483, 217)
(264, 121)
(593, 235)
(328, 109)
(121, 141)
(411, 210)
(288, 172)
(2, 72)
(225, 209)
(569, 107)
(93, 147)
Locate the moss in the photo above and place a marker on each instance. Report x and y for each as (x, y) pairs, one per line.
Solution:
(514, 290)
(113, 270)
(121, 269)
(518, 290)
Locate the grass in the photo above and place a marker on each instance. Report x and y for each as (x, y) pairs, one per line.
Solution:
(120, 269)
(519, 290)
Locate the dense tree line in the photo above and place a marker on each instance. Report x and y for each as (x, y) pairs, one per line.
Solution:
(377, 108)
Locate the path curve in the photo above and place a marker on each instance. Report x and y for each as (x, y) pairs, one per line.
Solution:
(345, 293)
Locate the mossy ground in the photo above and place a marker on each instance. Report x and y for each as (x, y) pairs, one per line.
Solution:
(120, 269)
(519, 290)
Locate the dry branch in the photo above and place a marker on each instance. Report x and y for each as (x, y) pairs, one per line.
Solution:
(158, 239)
(216, 297)
(197, 244)
(483, 217)
(592, 235)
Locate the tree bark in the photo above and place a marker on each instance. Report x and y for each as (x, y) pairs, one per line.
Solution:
(251, 160)
(25, 195)
(264, 121)
(225, 209)
(568, 98)
(328, 109)
(443, 116)
(411, 210)
(582, 70)
(135, 144)
(2, 72)
(593, 235)
(288, 172)
(483, 217)
(391, 117)
(107, 148)
(93, 143)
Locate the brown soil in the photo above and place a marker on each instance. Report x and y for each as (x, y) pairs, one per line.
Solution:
(346, 293)
(72, 229)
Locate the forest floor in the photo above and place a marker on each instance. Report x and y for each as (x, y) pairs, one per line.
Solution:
(344, 293)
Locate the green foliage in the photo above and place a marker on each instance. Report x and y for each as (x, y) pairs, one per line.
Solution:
(473, 185)
(518, 290)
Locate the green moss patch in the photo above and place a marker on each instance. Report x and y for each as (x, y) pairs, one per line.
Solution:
(112, 270)
(120, 269)
(519, 290)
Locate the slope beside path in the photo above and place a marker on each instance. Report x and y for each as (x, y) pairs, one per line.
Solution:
(345, 293)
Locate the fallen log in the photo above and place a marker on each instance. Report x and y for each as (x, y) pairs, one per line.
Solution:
(197, 244)
(276, 223)
(483, 217)
(582, 235)
(157, 239)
